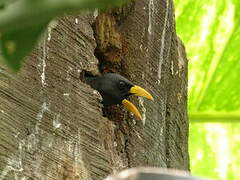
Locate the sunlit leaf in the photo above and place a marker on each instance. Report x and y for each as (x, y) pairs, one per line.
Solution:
(214, 150)
(210, 31)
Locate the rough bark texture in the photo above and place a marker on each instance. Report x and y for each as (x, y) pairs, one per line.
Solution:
(51, 123)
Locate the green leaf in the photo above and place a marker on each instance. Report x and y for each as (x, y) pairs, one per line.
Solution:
(16, 44)
(210, 31)
(22, 21)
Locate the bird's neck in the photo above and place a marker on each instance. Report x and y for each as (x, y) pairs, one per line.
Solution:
(94, 82)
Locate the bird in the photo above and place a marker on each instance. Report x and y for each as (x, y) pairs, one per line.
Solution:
(116, 89)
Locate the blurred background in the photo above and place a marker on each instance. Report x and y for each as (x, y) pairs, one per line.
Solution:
(210, 30)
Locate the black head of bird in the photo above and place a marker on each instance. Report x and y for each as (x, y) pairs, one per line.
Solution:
(115, 89)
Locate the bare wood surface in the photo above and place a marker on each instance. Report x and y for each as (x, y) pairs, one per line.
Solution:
(51, 123)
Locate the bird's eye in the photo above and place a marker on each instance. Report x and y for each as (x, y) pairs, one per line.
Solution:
(121, 85)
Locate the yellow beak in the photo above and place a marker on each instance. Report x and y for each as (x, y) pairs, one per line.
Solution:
(136, 91)
(132, 108)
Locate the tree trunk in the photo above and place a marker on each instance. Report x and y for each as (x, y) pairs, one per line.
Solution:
(51, 122)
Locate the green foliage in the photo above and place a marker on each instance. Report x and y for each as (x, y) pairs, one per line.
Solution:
(16, 44)
(214, 150)
(210, 31)
(23, 21)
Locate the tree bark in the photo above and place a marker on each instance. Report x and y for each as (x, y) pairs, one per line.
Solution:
(51, 123)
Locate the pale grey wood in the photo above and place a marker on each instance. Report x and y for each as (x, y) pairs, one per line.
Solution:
(51, 123)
